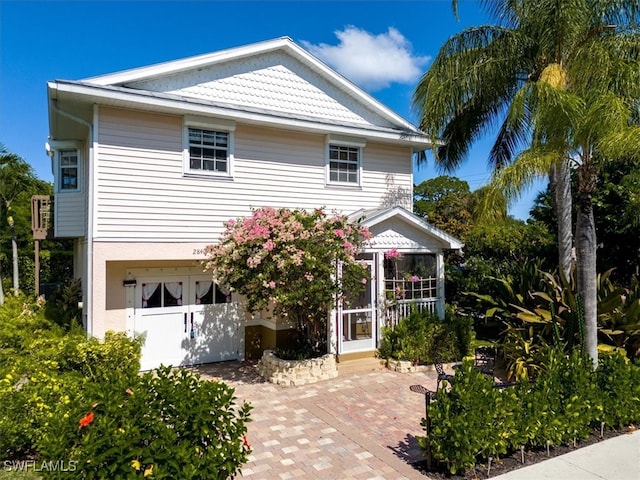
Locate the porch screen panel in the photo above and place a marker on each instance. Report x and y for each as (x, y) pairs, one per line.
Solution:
(411, 276)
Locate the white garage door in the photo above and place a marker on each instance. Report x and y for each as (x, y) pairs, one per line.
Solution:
(185, 320)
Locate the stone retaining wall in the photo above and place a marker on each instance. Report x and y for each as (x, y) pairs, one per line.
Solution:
(296, 372)
(405, 366)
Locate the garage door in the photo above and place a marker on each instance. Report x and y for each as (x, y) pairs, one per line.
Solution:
(185, 320)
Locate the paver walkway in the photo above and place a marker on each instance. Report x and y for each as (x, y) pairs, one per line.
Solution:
(358, 426)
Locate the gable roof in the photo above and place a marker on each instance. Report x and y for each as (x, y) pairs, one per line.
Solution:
(373, 217)
(275, 83)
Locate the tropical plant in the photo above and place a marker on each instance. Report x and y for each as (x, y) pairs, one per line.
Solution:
(16, 176)
(289, 261)
(422, 338)
(561, 79)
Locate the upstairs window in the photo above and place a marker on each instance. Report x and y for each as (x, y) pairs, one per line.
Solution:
(208, 150)
(68, 170)
(344, 160)
(344, 164)
(208, 146)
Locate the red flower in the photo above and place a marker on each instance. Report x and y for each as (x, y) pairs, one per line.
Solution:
(86, 420)
(245, 441)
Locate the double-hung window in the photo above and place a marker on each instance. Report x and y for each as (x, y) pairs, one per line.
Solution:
(344, 162)
(68, 170)
(208, 147)
(67, 165)
(208, 150)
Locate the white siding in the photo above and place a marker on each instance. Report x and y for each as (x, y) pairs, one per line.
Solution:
(69, 215)
(143, 195)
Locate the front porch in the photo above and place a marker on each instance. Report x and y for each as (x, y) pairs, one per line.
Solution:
(405, 258)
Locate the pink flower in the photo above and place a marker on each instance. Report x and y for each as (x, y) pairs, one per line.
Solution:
(269, 245)
(414, 278)
(339, 232)
(363, 281)
(308, 276)
(272, 284)
(393, 253)
(348, 246)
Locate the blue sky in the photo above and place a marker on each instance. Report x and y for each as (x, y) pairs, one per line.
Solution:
(382, 46)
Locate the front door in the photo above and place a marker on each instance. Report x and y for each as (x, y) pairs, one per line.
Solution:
(357, 318)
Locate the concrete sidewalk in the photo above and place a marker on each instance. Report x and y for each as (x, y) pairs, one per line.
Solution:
(617, 458)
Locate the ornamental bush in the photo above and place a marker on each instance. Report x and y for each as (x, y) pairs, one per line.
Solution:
(423, 338)
(288, 260)
(472, 420)
(66, 398)
(163, 424)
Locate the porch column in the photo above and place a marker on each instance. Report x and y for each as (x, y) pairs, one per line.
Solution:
(332, 334)
(440, 284)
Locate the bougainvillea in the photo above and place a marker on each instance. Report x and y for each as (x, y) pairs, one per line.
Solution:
(288, 260)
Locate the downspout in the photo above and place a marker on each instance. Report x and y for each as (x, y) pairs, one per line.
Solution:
(89, 287)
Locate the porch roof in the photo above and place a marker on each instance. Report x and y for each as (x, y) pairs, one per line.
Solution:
(378, 219)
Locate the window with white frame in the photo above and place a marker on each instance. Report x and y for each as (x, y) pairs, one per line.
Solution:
(344, 164)
(208, 147)
(208, 150)
(68, 169)
(344, 160)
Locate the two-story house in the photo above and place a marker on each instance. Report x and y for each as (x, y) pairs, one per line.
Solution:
(149, 163)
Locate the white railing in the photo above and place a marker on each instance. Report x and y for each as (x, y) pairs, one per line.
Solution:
(402, 308)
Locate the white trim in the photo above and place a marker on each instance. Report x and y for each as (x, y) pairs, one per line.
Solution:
(211, 124)
(372, 218)
(166, 103)
(348, 142)
(58, 146)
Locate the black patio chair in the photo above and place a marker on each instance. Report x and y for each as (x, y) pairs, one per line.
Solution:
(485, 360)
(442, 375)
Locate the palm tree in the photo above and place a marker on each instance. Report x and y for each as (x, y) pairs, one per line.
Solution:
(561, 78)
(16, 176)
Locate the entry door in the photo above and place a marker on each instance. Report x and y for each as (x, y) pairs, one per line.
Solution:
(161, 318)
(357, 318)
(185, 320)
(213, 323)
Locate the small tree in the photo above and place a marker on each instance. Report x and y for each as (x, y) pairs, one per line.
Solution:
(288, 260)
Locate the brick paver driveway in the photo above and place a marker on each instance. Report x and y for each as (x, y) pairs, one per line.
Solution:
(358, 426)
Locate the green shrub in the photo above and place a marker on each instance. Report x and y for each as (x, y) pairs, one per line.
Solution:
(422, 337)
(618, 382)
(169, 423)
(472, 420)
(38, 384)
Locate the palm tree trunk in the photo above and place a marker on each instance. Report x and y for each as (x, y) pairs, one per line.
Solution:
(14, 248)
(586, 271)
(560, 183)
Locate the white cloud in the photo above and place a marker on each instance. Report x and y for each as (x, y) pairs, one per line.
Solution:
(371, 61)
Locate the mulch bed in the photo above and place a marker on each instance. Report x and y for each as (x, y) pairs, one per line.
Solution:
(514, 461)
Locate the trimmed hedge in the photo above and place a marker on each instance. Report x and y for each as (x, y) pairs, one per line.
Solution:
(473, 420)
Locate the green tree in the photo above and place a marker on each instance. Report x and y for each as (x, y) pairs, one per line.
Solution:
(562, 81)
(16, 177)
(446, 203)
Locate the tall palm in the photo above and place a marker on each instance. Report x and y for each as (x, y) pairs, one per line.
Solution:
(560, 78)
(16, 177)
